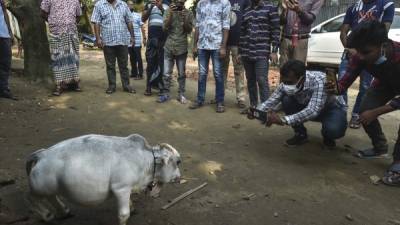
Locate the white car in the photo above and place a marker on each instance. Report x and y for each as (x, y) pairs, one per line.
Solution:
(325, 48)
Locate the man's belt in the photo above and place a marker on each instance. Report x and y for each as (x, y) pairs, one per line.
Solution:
(301, 36)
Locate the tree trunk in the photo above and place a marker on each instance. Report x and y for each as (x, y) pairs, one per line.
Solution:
(34, 38)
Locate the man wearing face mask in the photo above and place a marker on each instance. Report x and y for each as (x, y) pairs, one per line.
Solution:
(303, 98)
(362, 10)
(380, 56)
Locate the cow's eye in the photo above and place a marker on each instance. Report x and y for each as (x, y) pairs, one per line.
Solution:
(178, 162)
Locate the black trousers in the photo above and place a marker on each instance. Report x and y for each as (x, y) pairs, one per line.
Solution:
(119, 53)
(135, 56)
(376, 97)
(5, 62)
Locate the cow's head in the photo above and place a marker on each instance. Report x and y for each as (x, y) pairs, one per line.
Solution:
(168, 161)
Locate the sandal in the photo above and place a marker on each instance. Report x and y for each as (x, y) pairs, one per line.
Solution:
(57, 91)
(147, 93)
(163, 98)
(370, 153)
(220, 108)
(130, 90)
(355, 122)
(392, 175)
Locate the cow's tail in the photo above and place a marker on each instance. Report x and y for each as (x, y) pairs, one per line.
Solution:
(32, 160)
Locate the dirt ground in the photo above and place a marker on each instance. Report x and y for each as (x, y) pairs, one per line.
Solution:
(308, 185)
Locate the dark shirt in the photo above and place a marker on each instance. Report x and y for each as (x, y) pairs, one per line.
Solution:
(237, 9)
(310, 10)
(386, 74)
(381, 10)
(260, 29)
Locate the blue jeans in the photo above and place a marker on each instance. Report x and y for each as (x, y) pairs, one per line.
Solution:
(257, 80)
(332, 117)
(204, 59)
(169, 61)
(365, 83)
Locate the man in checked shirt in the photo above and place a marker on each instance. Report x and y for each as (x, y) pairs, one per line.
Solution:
(303, 98)
(379, 56)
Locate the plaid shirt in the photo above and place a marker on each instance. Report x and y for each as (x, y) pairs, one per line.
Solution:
(260, 28)
(113, 22)
(312, 94)
(387, 75)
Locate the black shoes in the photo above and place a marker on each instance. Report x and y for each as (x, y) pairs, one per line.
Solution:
(296, 140)
(7, 94)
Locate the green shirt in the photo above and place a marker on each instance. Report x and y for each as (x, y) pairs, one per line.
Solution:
(177, 43)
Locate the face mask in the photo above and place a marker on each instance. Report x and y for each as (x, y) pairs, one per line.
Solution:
(382, 58)
(292, 89)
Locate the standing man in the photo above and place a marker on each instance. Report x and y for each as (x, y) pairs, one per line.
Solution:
(5, 52)
(296, 19)
(135, 51)
(62, 16)
(154, 12)
(380, 56)
(362, 10)
(112, 20)
(178, 24)
(237, 9)
(210, 39)
(259, 41)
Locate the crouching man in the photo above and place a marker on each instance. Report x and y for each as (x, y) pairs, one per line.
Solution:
(303, 98)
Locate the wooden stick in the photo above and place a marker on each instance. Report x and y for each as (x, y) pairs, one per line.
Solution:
(182, 196)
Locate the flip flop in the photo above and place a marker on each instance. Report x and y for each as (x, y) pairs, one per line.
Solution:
(370, 154)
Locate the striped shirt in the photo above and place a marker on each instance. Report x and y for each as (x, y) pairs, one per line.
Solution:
(386, 75)
(311, 94)
(260, 29)
(113, 22)
(156, 20)
(212, 17)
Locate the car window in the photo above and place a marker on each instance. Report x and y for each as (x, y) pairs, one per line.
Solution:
(396, 22)
(333, 26)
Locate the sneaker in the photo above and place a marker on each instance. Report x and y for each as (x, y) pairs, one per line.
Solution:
(196, 105)
(182, 99)
(163, 98)
(329, 143)
(371, 153)
(296, 140)
(355, 121)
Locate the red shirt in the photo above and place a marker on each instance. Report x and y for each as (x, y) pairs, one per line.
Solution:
(386, 75)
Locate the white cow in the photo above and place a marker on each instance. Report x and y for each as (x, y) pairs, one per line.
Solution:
(87, 170)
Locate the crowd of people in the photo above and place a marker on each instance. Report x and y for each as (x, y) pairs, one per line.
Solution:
(250, 33)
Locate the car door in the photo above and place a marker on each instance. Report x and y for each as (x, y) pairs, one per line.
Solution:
(394, 32)
(324, 46)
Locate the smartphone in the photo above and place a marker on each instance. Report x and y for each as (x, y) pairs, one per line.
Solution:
(331, 77)
(260, 115)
